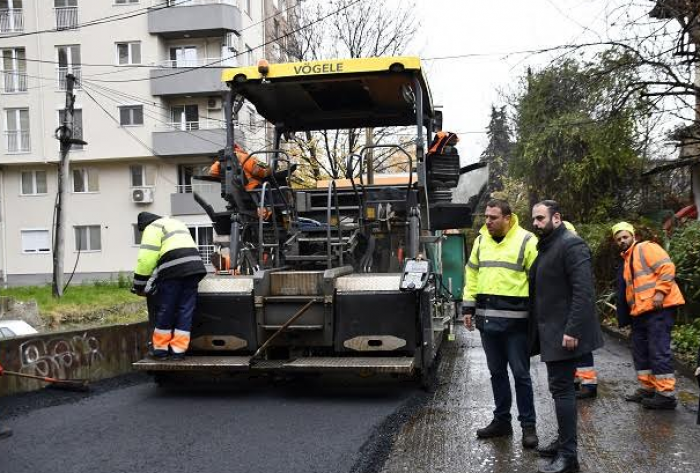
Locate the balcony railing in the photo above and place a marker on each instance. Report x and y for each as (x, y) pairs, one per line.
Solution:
(11, 20)
(66, 18)
(203, 124)
(61, 76)
(200, 62)
(17, 141)
(14, 82)
(199, 188)
(189, 3)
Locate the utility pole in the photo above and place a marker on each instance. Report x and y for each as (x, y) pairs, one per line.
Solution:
(369, 141)
(64, 134)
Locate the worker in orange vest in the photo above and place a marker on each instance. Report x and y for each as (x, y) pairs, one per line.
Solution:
(4, 431)
(255, 171)
(651, 297)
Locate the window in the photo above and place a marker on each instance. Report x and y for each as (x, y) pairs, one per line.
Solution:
(130, 115)
(33, 182)
(249, 54)
(128, 53)
(68, 63)
(185, 117)
(85, 180)
(11, 16)
(248, 7)
(141, 175)
(183, 56)
(17, 130)
(35, 241)
(186, 184)
(88, 238)
(14, 70)
(203, 235)
(66, 14)
(77, 125)
(137, 234)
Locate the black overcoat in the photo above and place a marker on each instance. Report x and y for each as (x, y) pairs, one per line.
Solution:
(562, 296)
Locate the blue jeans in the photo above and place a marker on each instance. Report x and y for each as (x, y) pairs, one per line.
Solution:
(503, 349)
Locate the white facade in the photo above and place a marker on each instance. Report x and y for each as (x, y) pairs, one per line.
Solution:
(139, 116)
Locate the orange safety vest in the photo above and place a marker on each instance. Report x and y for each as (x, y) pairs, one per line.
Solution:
(442, 139)
(253, 169)
(648, 269)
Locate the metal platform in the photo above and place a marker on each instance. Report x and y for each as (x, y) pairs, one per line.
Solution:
(398, 365)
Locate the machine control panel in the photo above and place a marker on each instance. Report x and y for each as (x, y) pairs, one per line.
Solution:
(415, 274)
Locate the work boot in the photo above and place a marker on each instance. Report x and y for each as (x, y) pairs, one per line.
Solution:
(158, 355)
(587, 392)
(530, 439)
(560, 464)
(177, 356)
(659, 401)
(495, 429)
(5, 432)
(549, 451)
(639, 395)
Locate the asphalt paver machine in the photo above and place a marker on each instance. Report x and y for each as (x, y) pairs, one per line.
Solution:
(342, 277)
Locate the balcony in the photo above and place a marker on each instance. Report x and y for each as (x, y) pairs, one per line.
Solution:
(61, 76)
(176, 79)
(193, 18)
(14, 82)
(182, 202)
(66, 18)
(199, 138)
(11, 20)
(17, 142)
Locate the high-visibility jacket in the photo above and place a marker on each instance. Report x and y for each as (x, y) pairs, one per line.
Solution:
(168, 246)
(496, 278)
(649, 269)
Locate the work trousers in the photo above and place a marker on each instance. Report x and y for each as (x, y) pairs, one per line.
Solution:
(651, 350)
(560, 375)
(502, 350)
(176, 300)
(586, 374)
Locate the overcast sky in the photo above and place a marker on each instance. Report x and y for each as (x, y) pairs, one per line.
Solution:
(467, 87)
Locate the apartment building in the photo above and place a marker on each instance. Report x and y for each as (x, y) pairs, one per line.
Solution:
(148, 104)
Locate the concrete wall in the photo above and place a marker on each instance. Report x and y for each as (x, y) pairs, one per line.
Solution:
(81, 354)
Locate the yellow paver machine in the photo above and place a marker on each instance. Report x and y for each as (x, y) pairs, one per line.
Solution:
(341, 277)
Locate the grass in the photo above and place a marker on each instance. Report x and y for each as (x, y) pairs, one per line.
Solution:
(78, 302)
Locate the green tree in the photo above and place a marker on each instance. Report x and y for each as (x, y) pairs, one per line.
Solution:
(498, 150)
(577, 140)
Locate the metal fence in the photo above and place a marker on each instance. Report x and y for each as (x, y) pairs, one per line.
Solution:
(11, 20)
(66, 18)
(199, 188)
(13, 82)
(205, 251)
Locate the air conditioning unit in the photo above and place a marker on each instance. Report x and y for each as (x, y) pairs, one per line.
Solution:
(142, 195)
(231, 41)
(214, 103)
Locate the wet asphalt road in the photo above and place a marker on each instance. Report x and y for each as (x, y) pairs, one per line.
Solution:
(339, 425)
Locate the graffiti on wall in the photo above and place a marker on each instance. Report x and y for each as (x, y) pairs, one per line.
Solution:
(57, 357)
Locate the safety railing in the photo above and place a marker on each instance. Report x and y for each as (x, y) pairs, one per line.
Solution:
(14, 82)
(202, 124)
(17, 141)
(61, 76)
(66, 18)
(333, 199)
(199, 188)
(205, 251)
(11, 20)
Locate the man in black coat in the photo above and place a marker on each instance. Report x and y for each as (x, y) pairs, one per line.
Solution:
(563, 323)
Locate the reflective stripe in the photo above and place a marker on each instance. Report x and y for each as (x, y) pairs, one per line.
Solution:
(468, 303)
(478, 250)
(666, 277)
(149, 247)
(176, 232)
(175, 262)
(502, 264)
(472, 265)
(139, 283)
(665, 376)
(660, 262)
(645, 287)
(643, 372)
(521, 255)
(506, 314)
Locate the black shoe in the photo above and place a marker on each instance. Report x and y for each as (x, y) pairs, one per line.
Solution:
(660, 402)
(530, 439)
(639, 395)
(495, 429)
(587, 392)
(5, 432)
(549, 451)
(177, 357)
(158, 356)
(560, 464)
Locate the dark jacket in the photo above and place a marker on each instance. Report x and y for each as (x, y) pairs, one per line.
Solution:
(563, 298)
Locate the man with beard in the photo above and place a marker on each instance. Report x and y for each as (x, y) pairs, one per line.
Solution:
(497, 293)
(649, 292)
(563, 323)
